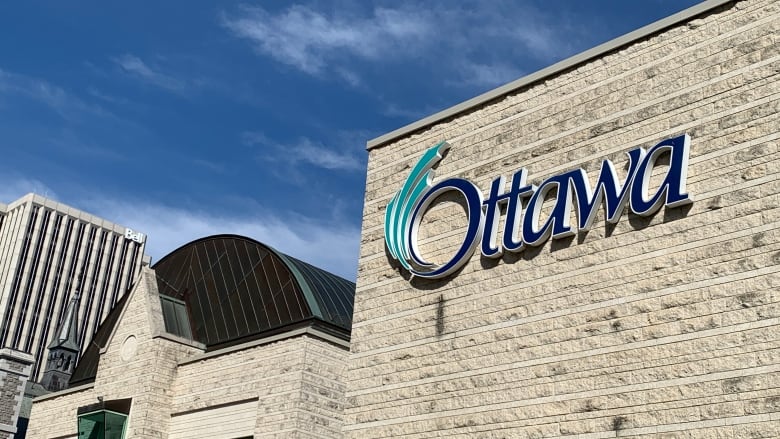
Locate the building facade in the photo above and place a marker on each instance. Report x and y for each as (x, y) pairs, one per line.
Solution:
(48, 252)
(223, 338)
(596, 254)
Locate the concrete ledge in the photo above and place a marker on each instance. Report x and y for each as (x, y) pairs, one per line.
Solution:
(19, 356)
(267, 340)
(556, 68)
(181, 340)
(67, 391)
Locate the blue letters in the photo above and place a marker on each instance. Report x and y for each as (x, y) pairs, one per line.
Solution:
(673, 186)
(523, 228)
(473, 197)
(614, 197)
(558, 222)
(574, 188)
(513, 199)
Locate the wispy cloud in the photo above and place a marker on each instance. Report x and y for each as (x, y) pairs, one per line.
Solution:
(468, 42)
(15, 186)
(309, 39)
(329, 243)
(105, 97)
(305, 151)
(395, 110)
(332, 246)
(85, 121)
(210, 165)
(139, 69)
(56, 98)
(485, 75)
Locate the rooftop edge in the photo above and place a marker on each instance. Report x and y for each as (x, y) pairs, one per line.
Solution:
(546, 72)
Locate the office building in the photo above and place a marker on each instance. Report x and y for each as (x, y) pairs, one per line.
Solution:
(48, 253)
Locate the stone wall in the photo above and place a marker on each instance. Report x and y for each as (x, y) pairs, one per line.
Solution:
(15, 369)
(654, 326)
(299, 383)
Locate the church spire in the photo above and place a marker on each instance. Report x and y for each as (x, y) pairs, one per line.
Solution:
(63, 349)
(67, 335)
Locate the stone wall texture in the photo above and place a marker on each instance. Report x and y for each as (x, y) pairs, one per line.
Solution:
(299, 383)
(15, 370)
(661, 326)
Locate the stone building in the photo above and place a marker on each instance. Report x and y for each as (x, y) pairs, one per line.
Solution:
(531, 289)
(223, 338)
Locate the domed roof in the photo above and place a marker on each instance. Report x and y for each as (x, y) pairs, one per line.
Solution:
(235, 287)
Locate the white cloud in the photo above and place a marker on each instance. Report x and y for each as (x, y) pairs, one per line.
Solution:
(136, 67)
(333, 247)
(330, 244)
(306, 39)
(306, 151)
(15, 187)
(485, 75)
(394, 110)
(318, 155)
(111, 99)
(474, 43)
(64, 103)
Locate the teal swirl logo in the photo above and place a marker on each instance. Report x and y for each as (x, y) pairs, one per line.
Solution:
(406, 208)
(401, 207)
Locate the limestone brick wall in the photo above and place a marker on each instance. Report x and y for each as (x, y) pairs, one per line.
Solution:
(299, 384)
(15, 369)
(56, 417)
(141, 366)
(666, 326)
(136, 364)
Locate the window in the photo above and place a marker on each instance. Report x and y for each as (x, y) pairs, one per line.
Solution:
(104, 420)
(175, 317)
(102, 424)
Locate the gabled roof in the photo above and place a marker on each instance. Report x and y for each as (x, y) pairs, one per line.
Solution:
(87, 366)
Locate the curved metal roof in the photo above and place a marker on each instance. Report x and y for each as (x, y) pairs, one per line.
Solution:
(229, 289)
(235, 287)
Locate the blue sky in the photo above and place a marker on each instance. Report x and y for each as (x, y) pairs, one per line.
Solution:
(188, 118)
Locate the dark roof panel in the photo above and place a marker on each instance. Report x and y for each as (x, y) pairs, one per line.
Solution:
(235, 287)
(87, 366)
(334, 295)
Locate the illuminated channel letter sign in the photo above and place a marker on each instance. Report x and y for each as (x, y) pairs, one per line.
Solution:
(521, 229)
